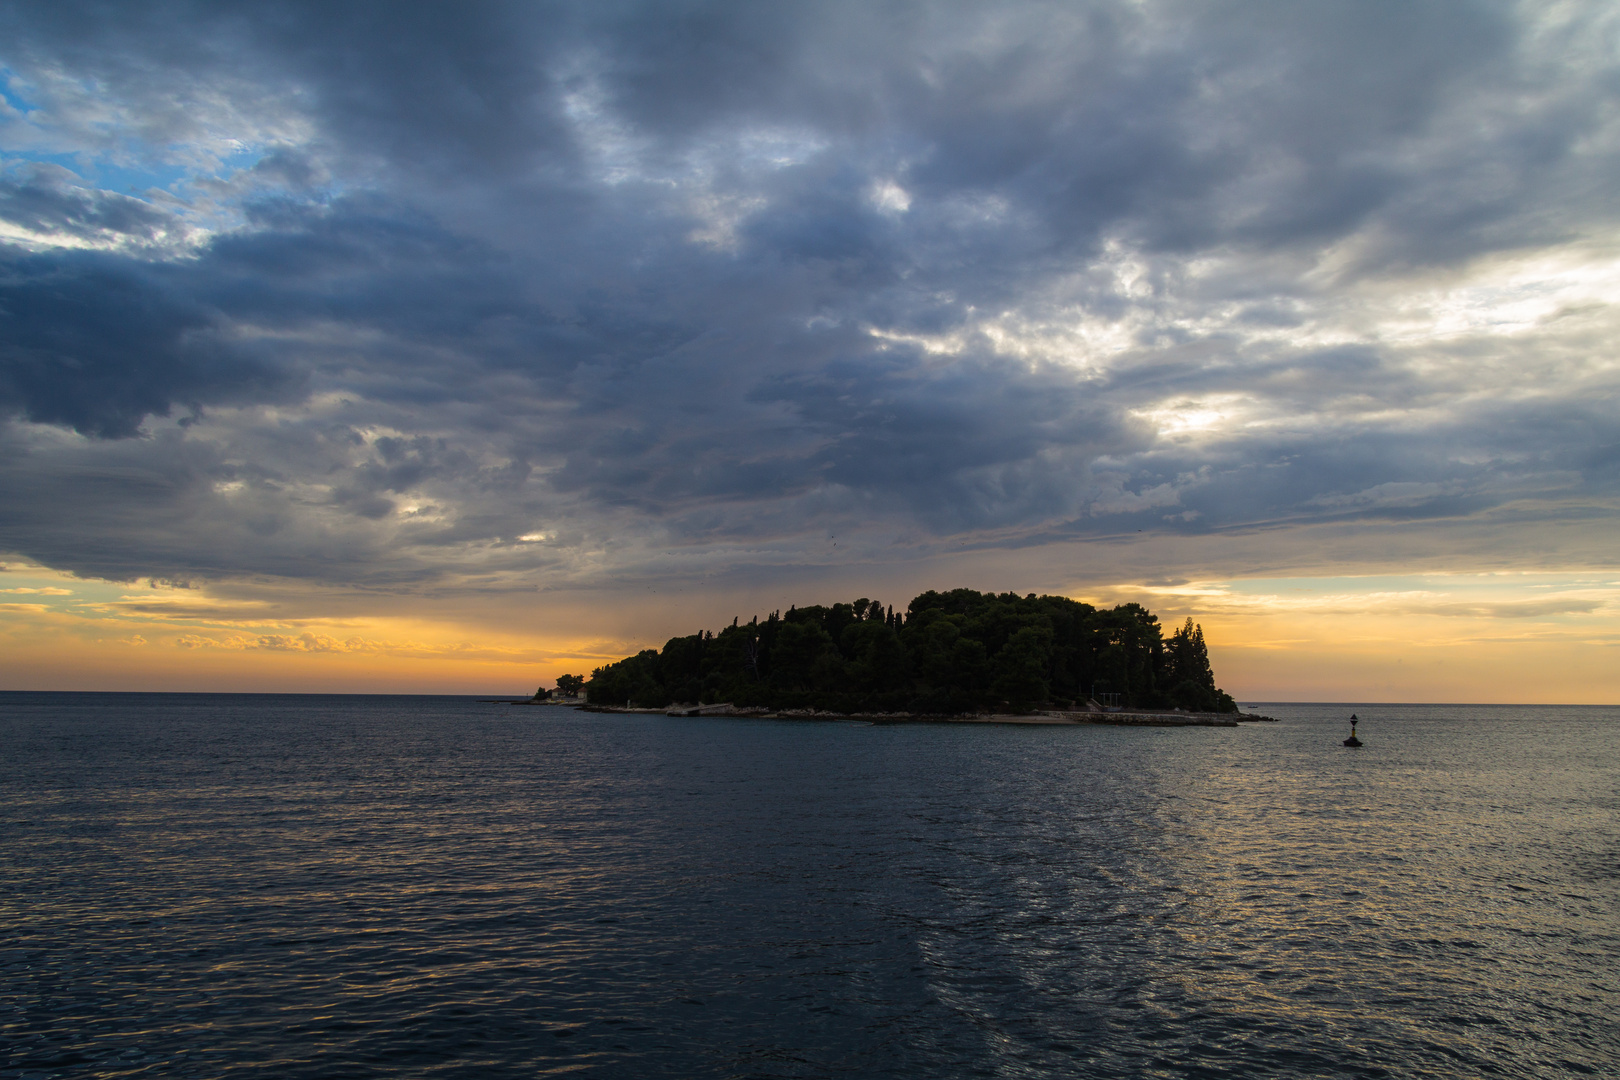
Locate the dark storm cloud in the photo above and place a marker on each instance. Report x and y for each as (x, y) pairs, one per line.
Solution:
(963, 445)
(100, 340)
(614, 276)
(94, 343)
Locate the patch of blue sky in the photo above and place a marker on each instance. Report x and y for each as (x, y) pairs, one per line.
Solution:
(9, 92)
(125, 179)
(245, 158)
(134, 172)
(130, 179)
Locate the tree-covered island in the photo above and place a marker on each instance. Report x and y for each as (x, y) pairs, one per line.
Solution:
(948, 653)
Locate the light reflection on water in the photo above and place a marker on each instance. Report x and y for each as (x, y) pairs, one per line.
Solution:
(200, 885)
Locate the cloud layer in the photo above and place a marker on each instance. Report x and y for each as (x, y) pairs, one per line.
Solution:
(407, 297)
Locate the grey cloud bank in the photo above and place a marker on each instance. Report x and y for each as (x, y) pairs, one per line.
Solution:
(413, 296)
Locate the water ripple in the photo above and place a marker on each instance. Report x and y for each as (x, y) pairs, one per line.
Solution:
(221, 886)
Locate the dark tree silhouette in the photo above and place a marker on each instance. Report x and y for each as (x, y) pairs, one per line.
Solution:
(952, 652)
(1188, 674)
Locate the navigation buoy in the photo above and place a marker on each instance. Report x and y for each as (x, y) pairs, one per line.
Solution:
(1352, 740)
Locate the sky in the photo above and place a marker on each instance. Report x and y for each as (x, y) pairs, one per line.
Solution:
(450, 348)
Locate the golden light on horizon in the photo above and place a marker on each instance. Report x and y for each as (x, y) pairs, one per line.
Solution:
(1509, 637)
(1501, 637)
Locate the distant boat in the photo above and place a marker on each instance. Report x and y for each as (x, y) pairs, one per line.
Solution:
(1352, 740)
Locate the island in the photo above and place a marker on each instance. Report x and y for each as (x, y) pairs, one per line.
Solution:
(956, 654)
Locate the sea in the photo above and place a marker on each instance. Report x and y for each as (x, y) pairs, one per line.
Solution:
(291, 886)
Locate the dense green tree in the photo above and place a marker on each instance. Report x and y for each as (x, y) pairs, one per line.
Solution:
(680, 667)
(1021, 667)
(950, 671)
(950, 652)
(876, 665)
(632, 681)
(793, 662)
(1188, 674)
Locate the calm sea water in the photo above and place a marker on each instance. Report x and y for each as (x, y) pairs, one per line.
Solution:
(293, 886)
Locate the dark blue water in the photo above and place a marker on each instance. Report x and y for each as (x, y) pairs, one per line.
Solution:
(286, 886)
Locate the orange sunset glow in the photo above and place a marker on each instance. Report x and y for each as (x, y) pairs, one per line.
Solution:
(1520, 637)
